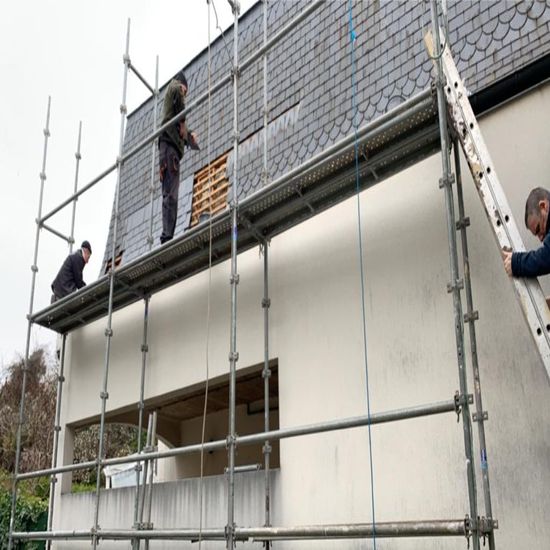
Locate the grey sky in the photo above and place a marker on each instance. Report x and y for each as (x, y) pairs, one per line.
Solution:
(73, 51)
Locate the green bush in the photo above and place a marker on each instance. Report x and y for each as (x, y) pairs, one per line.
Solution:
(30, 515)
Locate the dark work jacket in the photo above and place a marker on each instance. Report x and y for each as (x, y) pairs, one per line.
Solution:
(173, 104)
(535, 262)
(69, 277)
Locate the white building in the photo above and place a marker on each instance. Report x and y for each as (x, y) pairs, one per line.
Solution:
(316, 340)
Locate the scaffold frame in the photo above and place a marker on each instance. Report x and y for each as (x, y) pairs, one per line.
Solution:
(254, 221)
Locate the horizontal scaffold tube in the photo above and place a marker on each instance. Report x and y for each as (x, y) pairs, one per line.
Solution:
(394, 529)
(332, 425)
(193, 105)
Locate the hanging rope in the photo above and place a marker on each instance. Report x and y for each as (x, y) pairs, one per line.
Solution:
(353, 38)
(227, 51)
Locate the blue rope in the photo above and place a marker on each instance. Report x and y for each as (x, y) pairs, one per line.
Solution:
(353, 38)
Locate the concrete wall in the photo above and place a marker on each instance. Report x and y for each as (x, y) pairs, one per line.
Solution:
(174, 504)
(316, 335)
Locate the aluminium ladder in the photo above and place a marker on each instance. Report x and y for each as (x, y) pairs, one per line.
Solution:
(528, 290)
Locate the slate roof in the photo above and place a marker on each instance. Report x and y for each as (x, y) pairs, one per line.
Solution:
(309, 88)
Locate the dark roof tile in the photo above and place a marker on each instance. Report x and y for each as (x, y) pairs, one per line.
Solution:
(312, 65)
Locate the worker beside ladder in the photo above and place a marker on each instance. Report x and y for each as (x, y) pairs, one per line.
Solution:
(536, 262)
(498, 211)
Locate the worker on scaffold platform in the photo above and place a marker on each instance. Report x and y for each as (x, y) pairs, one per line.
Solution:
(171, 144)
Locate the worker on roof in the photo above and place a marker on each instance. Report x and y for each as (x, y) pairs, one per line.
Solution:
(69, 277)
(171, 144)
(535, 262)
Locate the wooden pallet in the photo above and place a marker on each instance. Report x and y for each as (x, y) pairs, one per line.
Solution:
(210, 193)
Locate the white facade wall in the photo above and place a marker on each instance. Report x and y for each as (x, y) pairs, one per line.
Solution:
(316, 335)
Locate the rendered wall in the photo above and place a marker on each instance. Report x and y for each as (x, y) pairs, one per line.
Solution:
(316, 335)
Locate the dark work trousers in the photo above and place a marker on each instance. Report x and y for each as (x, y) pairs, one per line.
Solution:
(169, 163)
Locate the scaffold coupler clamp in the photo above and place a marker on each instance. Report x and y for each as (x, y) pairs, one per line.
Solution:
(446, 181)
(486, 527)
(455, 285)
(266, 449)
(440, 80)
(230, 530)
(230, 440)
(469, 528)
(94, 531)
(235, 72)
(463, 223)
(458, 405)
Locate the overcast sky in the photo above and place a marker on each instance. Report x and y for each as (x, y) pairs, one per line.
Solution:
(72, 51)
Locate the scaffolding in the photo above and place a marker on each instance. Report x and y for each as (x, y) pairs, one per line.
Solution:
(412, 131)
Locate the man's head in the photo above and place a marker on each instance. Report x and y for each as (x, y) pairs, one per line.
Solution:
(180, 77)
(537, 207)
(86, 248)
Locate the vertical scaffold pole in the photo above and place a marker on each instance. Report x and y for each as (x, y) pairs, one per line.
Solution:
(455, 284)
(265, 175)
(109, 331)
(153, 156)
(234, 280)
(147, 449)
(56, 430)
(266, 302)
(470, 317)
(151, 474)
(61, 375)
(34, 270)
(78, 156)
(141, 406)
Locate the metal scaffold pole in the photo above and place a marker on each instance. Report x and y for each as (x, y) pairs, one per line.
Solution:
(153, 155)
(396, 529)
(153, 446)
(78, 157)
(266, 302)
(456, 284)
(265, 176)
(266, 373)
(234, 280)
(480, 416)
(61, 375)
(34, 270)
(151, 433)
(141, 406)
(417, 411)
(109, 331)
(56, 430)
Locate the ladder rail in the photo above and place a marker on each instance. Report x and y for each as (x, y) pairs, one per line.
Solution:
(497, 208)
